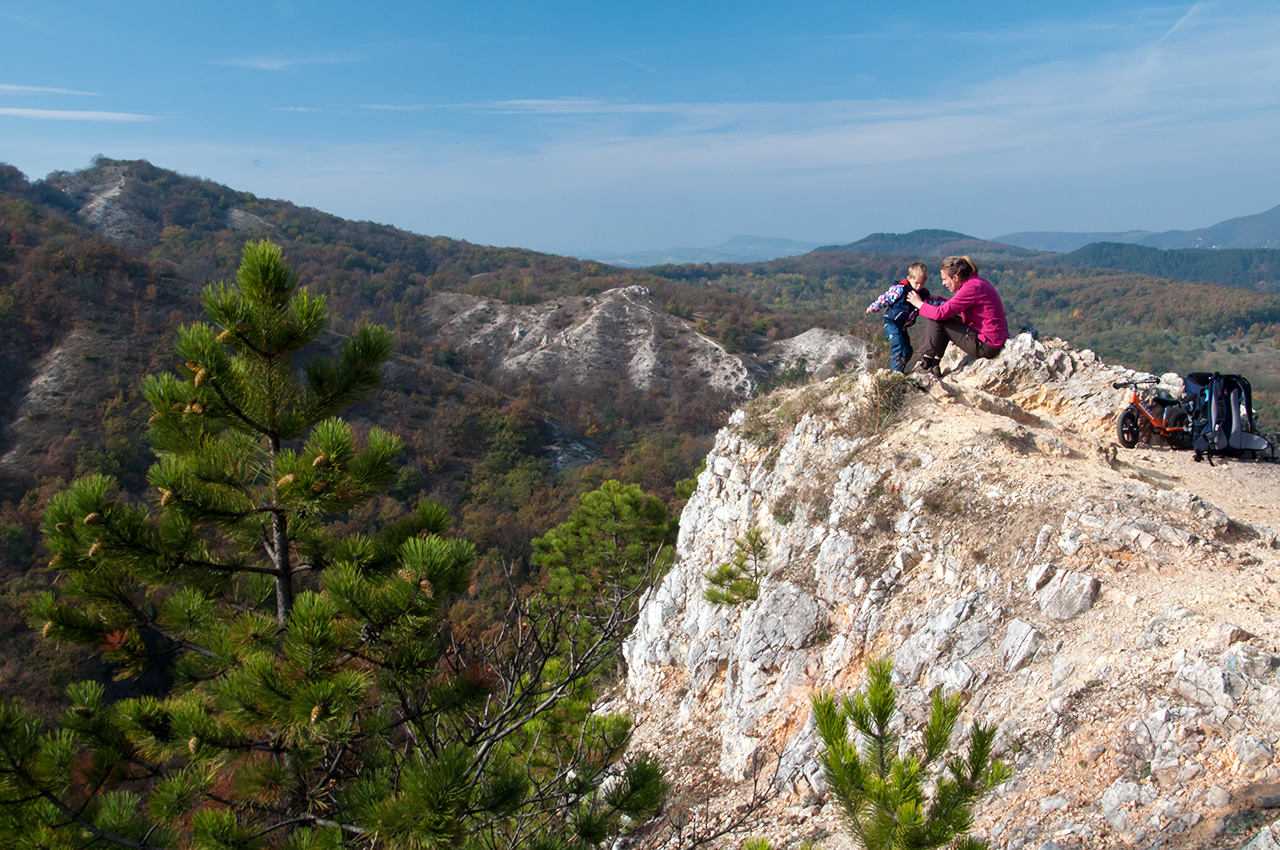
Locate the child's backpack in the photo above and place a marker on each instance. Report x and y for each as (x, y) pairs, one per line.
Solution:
(900, 312)
(1222, 417)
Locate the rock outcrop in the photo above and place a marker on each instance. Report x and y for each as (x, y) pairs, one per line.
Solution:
(618, 337)
(983, 532)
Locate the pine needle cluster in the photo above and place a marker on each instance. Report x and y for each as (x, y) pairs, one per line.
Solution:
(883, 795)
(738, 581)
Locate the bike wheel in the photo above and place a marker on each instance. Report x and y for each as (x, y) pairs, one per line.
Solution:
(1127, 428)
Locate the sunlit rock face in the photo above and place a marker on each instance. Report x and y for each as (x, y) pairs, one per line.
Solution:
(1116, 623)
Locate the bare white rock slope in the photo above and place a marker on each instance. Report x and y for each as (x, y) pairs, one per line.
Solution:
(1114, 612)
(619, 335)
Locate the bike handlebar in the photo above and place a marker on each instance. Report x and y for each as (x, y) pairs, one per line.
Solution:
(1119, 385)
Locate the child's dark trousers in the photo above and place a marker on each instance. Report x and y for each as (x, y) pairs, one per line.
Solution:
(899, 346)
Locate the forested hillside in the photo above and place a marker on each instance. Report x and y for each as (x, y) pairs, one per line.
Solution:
(98, 269)
(1248, 268)
(90, 313)
(935, 243)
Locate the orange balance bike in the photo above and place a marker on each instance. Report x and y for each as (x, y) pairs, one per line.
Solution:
(1167, 417)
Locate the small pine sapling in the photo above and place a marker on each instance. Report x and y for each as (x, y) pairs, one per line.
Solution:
(881, 793)
(739, 580)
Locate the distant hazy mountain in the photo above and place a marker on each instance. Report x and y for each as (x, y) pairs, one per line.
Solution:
(739, 249)
(1250, 231)
(1065, 243)
(933, 243)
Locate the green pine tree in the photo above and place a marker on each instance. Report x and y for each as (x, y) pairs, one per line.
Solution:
(881, 793)
(594, 569)
(316, 698)
(739, 580)
(620, 537)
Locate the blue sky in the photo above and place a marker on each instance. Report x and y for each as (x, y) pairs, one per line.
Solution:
(592, 126)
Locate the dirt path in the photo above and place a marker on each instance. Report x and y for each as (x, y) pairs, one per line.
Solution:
(1246, 490)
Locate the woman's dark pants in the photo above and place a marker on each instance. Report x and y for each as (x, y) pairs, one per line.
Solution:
(938, 334)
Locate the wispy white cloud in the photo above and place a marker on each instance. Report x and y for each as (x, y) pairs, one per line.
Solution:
(408, 107)
(75, 115)
(1110, 132)
(1203, 65)
(1066, 32)
(1191, 104)
(1185, 20)
(545, 106)
(577, 106)
(640, 66)
(13, 89)
(286, 63)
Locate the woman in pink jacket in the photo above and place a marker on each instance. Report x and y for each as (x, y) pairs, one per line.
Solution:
(973, 317)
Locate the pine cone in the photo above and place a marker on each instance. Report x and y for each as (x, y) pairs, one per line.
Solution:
(317, 712)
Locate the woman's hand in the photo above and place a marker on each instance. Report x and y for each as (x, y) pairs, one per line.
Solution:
(914, 299)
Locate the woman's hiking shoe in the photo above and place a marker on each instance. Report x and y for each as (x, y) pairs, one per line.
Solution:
(924, 366)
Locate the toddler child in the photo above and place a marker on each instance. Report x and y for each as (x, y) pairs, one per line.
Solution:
(900, 315)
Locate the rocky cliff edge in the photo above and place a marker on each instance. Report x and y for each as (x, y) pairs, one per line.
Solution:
(1115, 611)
